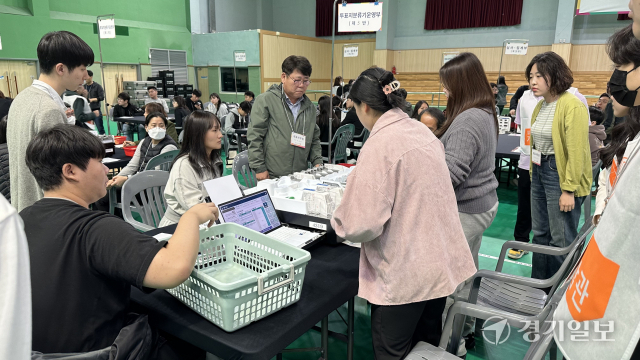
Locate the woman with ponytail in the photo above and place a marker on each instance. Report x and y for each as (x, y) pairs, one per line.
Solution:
(401, 206)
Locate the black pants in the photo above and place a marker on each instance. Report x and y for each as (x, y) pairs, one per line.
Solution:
(500, 108)
(523, 219)
(396, 329)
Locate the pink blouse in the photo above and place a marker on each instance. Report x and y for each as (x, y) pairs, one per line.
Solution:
(399, 203)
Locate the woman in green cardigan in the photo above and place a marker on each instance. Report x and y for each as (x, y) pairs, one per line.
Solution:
(560, 160)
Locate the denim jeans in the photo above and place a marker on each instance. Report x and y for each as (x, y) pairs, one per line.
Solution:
(99, 123)
(127, 129)
(551, 227)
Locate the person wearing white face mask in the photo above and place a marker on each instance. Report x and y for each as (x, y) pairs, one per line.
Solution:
(155, 144)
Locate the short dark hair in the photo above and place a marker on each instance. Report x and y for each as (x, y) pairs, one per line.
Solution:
(245, 106)
(197, 92)
(605, 95)
(154, 107)
(62, 144)
(90, 73)
(180, 101)
(403, 93)
(596, 115)
(623, 48)
(152, 87)
(156, 114)
(493, 85)
(434, 113)
(294, 62)
(3, 130)
(368, 89)
(124, 96)
(250, 93)
(554, 70)
(63, 47)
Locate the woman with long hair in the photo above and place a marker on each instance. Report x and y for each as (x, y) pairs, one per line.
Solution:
(624, 51)
(181, 111)
(421, 106)
(407, 267)
(199, 160)
(216, 106)
(470, 137)
(561, 160)
(322, 120)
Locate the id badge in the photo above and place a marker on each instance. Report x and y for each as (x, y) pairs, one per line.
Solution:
(536, 157)
(298, 140)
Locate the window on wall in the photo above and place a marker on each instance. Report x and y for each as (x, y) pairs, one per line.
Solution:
(176, 60)
(228, 79)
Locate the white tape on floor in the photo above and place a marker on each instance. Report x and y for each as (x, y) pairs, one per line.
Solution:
(507, 260)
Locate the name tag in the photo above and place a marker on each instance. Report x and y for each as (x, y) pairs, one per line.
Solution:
(298, 140)
(536, 157)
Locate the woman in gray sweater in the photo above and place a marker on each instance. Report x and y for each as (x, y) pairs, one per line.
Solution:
(470, 136)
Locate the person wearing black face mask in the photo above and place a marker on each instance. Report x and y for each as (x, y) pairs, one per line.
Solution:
(619, 90)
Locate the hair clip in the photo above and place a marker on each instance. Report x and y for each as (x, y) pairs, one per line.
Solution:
(391, 87)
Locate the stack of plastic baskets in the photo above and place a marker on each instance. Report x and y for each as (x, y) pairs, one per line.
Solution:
(241, 276)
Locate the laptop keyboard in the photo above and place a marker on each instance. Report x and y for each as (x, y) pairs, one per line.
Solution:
(285, 233)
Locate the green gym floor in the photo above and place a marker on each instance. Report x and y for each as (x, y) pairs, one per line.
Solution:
(501, 230)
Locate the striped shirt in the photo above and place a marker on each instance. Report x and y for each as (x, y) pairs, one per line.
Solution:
(541, 130)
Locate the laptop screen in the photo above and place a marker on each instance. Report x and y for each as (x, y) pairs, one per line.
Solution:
(254, 211)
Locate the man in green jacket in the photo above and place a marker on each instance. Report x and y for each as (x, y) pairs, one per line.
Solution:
(283, 135)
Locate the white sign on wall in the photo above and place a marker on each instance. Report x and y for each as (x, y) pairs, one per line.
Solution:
(360, 17)
(351, 51)
(448, 56)
(599, 6)
(516, 48)
(107, 28)
(241, 56)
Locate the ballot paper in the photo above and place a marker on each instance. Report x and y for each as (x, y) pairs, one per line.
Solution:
(108, 160)
(222, 189)
(162, 236)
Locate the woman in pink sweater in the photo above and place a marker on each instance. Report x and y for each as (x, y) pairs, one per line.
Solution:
(399, 203)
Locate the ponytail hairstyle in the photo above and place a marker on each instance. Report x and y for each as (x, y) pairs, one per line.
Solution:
(377, 88)
(465, 79)
(620, 136)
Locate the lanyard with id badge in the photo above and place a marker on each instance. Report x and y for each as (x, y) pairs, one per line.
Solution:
(297, 140)
(536, 155)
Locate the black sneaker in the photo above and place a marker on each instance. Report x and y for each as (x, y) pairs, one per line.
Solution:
(470, 341)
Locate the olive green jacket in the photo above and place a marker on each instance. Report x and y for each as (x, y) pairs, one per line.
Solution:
(269, 135)
(570, 134)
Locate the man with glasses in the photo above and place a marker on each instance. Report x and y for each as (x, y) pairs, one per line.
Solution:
(283, 135)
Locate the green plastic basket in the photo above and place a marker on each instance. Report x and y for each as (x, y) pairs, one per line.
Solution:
(241, 276)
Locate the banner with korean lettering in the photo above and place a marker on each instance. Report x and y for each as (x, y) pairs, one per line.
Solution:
(598, 316)
(586, 7)
(516, 48)
(359, 17)
(351, 51)
(107, 28)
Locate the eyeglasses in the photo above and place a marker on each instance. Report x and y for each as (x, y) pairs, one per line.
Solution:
(297, 82)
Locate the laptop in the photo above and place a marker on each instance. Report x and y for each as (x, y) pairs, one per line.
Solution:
(256, 212)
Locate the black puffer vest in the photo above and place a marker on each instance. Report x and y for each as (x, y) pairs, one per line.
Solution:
(148, 152)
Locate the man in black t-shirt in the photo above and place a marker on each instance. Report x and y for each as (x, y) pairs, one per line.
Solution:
(83, 262)
(194, 103)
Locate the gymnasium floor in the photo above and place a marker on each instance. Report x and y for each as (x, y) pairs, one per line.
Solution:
(501, 230)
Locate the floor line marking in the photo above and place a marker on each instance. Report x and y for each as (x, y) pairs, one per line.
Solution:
(507, 260)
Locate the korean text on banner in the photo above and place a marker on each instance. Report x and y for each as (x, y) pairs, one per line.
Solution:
(351, 51)
(360, 17)
(241, 56)
(514, 48)
(107, 28)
